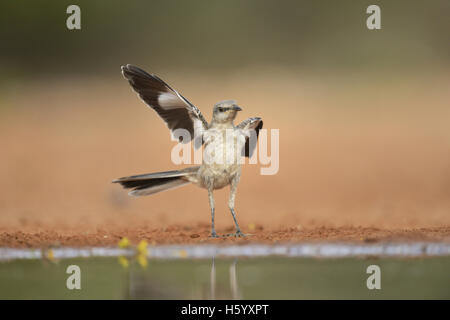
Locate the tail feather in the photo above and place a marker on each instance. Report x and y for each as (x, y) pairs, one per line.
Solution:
(147, 184)
(145, 190)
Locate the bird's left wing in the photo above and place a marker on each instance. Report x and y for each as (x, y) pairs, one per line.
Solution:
(251, 127)
(176, 111)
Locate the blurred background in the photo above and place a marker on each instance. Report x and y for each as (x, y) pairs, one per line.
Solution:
(363, 114)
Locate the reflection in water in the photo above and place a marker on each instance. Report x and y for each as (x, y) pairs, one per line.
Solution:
(235, 293)
(233, 281)
(213, 279)
(142, 283)
(218, 278)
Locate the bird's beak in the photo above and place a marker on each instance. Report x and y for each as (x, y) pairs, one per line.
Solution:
(237, 108)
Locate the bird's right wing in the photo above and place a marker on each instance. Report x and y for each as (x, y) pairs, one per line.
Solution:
(176, 111)
(251, 127)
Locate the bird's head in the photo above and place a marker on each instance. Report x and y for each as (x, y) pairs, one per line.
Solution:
(225, 111)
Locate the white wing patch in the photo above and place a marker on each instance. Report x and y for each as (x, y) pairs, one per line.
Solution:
(176, 111)
(168, 100)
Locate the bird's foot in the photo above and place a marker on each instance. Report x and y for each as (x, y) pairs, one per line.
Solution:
(237, 234)
(214, 235)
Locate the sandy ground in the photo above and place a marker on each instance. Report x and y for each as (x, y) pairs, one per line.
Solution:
(358, 162)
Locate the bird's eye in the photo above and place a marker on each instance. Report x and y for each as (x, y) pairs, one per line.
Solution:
(220, 109)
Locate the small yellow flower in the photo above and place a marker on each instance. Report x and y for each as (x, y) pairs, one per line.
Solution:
(123, 261)
(142, 247)
(142, 260)
(251, 227)
(50, 255)
(124, 242)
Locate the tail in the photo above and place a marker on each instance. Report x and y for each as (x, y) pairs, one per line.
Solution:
(146, 184)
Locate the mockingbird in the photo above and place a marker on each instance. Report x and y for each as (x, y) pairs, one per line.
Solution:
(225, 142)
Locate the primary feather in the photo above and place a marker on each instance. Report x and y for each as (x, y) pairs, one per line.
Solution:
(176, 111)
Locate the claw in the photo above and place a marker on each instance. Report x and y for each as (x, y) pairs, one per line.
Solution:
(239, 234)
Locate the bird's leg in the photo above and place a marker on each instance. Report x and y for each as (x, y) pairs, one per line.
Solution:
(211, 204)
(233, 189)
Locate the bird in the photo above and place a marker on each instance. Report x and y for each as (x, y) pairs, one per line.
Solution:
(224, 143)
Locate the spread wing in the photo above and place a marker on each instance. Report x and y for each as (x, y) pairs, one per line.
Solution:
(172, 107)
(251, 127)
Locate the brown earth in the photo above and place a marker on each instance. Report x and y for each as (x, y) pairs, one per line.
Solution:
(175, 234)
(358, 162)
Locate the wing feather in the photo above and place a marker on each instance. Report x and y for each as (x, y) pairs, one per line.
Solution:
(176, 111)
(251, 127)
